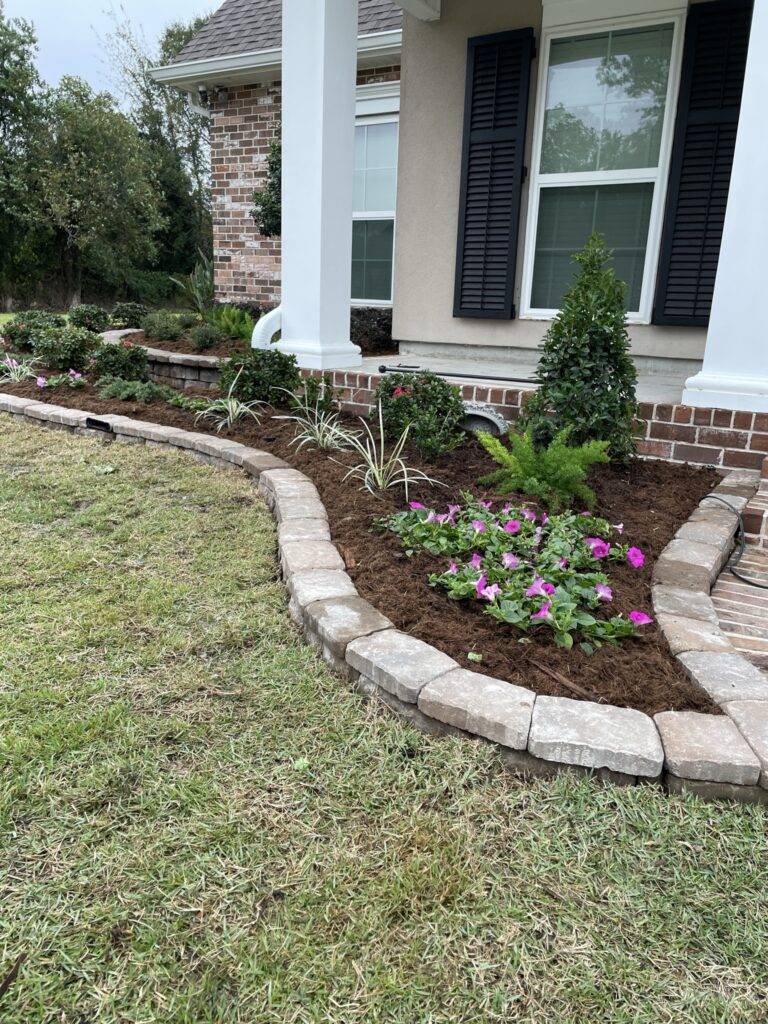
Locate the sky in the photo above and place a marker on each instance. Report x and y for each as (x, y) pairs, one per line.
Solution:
(68, 30)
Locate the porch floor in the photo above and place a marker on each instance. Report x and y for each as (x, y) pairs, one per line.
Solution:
(651, 386)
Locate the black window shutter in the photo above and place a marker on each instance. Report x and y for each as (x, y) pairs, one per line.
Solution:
(495, 112)
(714, 57)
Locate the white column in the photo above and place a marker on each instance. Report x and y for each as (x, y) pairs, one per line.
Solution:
(735, 370)
(319, 78)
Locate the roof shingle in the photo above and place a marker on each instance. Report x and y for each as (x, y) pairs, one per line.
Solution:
(245, 26)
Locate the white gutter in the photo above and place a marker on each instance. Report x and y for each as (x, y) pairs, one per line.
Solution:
(248, 68)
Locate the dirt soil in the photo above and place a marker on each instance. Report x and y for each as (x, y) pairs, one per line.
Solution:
(651, 498)
(224, 349)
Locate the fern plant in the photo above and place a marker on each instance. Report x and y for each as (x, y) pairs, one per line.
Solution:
(556, 474)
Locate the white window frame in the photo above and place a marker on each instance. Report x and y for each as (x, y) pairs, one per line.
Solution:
(657, 175)
(378, 104)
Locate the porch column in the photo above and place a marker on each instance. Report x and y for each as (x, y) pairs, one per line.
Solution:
(735, 370)
(319, 79)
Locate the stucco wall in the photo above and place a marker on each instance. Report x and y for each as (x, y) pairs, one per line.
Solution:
(431, 124)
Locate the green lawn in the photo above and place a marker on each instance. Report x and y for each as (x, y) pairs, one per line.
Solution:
(200, 824)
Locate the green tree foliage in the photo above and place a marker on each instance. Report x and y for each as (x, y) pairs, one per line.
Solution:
(587, 375)
(557, 474)
(267, 202)
(97, 186)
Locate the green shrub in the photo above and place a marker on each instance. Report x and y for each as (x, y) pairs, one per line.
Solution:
(557, 474)
(587, 375)
(124, 360)
(206, 336)
(22, 328)
(129, 314)
(161, 326)
(92, 318)
(232, 321)
(430, 405)
(267, 202)
(66, 349)
(123, 390)
(187, 320)
(317, 393)
(264, 376)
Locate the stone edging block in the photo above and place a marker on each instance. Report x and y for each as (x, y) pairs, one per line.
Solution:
(707, 754)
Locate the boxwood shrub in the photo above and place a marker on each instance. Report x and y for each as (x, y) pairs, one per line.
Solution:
(431, 406)
(66, 349)
(125, 360)
(262, 375)
(92, 318)
(22, 328)
(162, 326)
(129, 314)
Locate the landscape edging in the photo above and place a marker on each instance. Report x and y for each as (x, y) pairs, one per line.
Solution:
(542, 734)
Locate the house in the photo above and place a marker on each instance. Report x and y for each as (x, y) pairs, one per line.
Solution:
(450, 157)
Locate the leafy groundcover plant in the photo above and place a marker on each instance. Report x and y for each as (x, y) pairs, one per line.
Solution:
(528, 570)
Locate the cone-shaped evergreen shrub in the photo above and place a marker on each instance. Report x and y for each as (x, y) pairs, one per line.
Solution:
(586, 373)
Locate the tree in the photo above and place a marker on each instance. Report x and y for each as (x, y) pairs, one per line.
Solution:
(587, 377)
(22, 104)
(267, 202)
(97, 187)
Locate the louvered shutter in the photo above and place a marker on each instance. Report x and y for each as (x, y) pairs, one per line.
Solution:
(496, 107)
(715, 54)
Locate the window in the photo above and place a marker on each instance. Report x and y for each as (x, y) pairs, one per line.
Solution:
(373, 231)
(602, 150)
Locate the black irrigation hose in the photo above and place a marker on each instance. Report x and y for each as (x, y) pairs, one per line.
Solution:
(742, 544)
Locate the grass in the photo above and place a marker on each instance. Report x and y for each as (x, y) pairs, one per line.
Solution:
(200, 824)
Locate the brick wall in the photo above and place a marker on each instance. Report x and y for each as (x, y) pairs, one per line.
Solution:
(247, 266)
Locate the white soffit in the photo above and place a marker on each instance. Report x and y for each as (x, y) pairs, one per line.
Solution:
(424, 10)
(560, 13)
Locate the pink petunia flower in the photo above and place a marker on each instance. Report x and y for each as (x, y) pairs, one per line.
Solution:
(603, 592)
(513, 526)
(618, 527)
(544, 519)
(453, 568)
(640, 618)
(537, 536)
(415, 505)
(539, 588)
(527, 514)
(509, 560)
(42, 382)
(543, 612)
(562, 563)
(476, 561)
(598, 546)
(485, 592)
(487, 505)
(636, 558)
(479, 526)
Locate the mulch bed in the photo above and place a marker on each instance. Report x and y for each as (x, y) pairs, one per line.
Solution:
(224, 349)
(651, 498)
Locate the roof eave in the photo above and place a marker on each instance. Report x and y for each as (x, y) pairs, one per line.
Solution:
(374, 48)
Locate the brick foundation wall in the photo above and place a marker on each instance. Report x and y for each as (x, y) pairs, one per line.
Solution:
(246, 265)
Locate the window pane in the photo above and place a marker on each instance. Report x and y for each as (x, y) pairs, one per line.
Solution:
(567, 216)
(372, 242)
(375, 167)
(605, 100)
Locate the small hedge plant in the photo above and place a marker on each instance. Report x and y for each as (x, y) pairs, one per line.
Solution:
(22, 328)
(125, 360)
(556, 474)
(129, 314)
(205, 336)
(92, 318)
(428, 404)
(261, 375)
(66, 349)
(586, 372)
(162, 326)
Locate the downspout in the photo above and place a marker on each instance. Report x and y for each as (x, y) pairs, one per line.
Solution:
(267, 327)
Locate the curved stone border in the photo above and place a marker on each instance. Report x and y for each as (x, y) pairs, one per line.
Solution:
(179, 369)
(535, 733)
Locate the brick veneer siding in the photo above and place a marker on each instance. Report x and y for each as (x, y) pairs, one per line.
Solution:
(247, 266)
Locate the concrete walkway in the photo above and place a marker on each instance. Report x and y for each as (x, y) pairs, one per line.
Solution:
(743, 609)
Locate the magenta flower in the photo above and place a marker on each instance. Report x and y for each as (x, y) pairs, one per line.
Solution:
(485, 592)
(544, 519)
(453, 568)
(539, 588)
(537, 536)
(527, 514)
(640, 618)
(75, 375)
(487, 505)
(636, 558)
(513, 526)
(543, 612)
(509, 560)
(598, 547)
(506, 510)
(476, 561)
(431, 518)
(452, 511)
(415, 505)
(603, 592)
(42, 382)
(479, 526)
(618, 527)
(562, 563)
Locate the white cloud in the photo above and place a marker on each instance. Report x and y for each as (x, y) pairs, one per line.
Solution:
(68, 34)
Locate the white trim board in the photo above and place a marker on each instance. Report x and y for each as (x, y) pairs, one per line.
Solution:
(560, 13)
